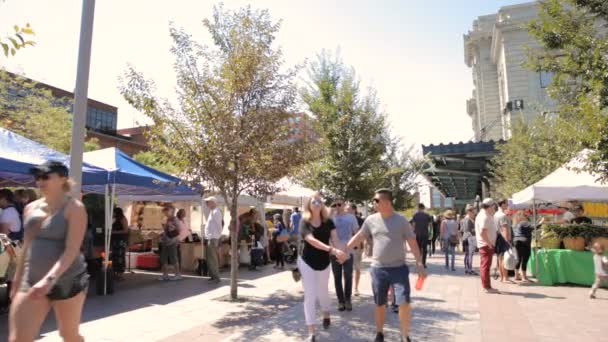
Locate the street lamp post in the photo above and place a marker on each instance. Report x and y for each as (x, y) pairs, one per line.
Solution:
(81, 95)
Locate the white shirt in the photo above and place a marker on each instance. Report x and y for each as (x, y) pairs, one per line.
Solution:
(10, 216)
(568, 216)
(485, 221)
(213, 227)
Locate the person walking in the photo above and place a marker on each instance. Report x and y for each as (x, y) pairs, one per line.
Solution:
(357, 250)
(449, 236)
(485, 233)
(436, 231)
(504, 226)
(421, 222)
(280, 236)
(317, 230)
(389, 231)
(294, 227)
(600, 265)
(213, 233)
(467, 227)
(53, 273)
(346, 226)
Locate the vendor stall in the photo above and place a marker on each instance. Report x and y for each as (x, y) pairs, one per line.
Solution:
(563, 266)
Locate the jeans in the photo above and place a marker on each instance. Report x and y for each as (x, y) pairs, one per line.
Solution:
(486, 254)
(343, 292)
(315, 289)
(450, 249)
(524, 249)
(469, 253)
(423, 242)
(465, 249)
(211, 256)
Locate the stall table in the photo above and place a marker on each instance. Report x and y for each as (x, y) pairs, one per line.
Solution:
(563, 266)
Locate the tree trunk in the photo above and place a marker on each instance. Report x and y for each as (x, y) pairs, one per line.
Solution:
(234, 248)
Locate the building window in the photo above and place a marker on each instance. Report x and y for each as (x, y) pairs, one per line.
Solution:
(435, 198)
(546, 77)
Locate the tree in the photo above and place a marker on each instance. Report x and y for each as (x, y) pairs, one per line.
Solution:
(152, 159)
(18, 40)
(353, 131)
(33, 112)
(229, 129)
(572, 34)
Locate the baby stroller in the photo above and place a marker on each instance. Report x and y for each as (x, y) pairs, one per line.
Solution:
(290, 252)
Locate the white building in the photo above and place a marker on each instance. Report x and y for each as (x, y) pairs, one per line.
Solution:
(495, 50)
(431, 197)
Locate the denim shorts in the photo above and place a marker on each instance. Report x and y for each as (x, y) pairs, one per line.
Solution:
(385, 277)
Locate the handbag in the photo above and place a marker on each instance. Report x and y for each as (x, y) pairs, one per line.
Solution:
(510, 259)
(453, 239)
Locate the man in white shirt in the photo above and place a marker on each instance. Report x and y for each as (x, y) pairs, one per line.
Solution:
(486, 233)
(504, 227)
(10, 220)
(213, 232)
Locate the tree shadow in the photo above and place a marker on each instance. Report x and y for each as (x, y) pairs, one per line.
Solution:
(530, 295)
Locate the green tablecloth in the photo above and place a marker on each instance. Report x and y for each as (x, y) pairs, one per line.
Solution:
(561, 266)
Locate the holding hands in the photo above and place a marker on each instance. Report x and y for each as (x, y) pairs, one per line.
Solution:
(340, 255)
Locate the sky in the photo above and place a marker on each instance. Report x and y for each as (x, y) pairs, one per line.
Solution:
(410, 51)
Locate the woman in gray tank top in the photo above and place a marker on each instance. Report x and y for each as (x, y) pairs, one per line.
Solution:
(52, 272)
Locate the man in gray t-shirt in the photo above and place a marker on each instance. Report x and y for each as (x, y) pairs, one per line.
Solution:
(389, 232)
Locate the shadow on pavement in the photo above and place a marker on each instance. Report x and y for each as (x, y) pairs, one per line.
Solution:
(530, 295)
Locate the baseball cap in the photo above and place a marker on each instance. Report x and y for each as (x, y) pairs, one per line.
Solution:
(488, 202)
(469, 207)
(211, 199)
(50, 166)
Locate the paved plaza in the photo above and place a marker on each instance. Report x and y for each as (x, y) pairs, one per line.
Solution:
(451, 307)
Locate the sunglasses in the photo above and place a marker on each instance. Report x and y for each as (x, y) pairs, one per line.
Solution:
(42, 177)
(316, 203)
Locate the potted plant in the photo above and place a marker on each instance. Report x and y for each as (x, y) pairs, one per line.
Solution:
(574, 237)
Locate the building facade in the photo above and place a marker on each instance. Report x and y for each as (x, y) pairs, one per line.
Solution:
(504, 89)
(431, 197)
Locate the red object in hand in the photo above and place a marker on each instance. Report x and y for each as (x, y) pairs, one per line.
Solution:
(420, 283)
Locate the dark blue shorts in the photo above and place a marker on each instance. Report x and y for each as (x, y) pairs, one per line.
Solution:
(384, 277)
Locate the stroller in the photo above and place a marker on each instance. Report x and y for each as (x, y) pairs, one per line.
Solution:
(290, 252)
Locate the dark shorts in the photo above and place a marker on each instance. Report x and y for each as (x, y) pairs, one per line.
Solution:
(385, 277)
(168, 255)
(65, 288)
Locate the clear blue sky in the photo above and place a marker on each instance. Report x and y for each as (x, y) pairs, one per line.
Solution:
(411, 51)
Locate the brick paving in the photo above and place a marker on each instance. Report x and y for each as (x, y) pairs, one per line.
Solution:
(451, 307)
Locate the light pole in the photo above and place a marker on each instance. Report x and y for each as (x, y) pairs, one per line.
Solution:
(81, 95)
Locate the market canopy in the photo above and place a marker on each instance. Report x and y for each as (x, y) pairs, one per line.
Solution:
(19, 154)
(132, 179)
(568, 183)
(293, 196)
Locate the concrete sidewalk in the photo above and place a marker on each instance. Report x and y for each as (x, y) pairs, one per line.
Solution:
(451, 307)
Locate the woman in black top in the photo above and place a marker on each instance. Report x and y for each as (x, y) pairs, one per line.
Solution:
(317, 229)
(522, 239)
(120, 237)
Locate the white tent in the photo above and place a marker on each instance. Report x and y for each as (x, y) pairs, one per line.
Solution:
(293, 195)
(565, 184)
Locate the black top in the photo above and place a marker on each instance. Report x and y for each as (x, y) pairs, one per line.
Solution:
(582, 220)
(315, 258)
(422, 221)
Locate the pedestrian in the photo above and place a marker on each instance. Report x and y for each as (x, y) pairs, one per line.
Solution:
(280, 235)
(317, 230)
(169, 241)
(504, 225)
(294, 227)
(56, 273)
(118, 242)
(449, 236)
(184, 232)
(485, 233)
(436, 231)
(600, 263)
(357, 250)
(421, 222)
(522, 240)
(213, 232)
(10, 219)
(346, 227)
(389, 231)
(467, 227)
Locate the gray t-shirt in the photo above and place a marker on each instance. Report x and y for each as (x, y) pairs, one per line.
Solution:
(346, 227)
(388, 235)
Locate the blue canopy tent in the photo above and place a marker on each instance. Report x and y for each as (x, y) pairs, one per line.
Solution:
(19, 154)
(131, 180)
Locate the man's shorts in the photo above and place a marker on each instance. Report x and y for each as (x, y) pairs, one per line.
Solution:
(384, 277)
(168, 255)
(357, 258)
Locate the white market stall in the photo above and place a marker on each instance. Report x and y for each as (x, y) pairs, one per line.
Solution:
(293, 196)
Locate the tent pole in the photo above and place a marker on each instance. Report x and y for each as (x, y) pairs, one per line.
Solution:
(105, 242)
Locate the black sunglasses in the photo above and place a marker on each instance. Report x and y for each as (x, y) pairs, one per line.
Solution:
(43, 176)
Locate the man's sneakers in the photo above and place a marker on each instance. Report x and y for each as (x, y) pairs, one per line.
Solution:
(326, 323)
(341, 307)
(348, 306)
(379, 337)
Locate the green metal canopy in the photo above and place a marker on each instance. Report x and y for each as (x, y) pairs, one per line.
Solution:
(460, 170)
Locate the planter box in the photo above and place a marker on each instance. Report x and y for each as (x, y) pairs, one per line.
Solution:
(575, 243)
(550, 243)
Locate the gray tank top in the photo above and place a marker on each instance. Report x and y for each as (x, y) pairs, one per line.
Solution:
(47, 247)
